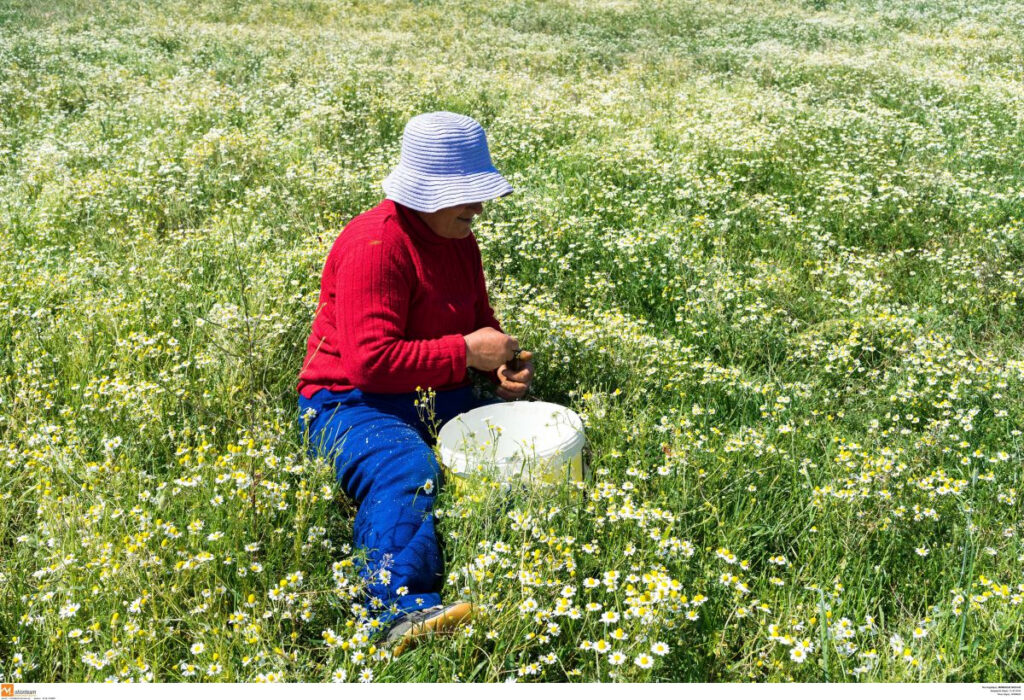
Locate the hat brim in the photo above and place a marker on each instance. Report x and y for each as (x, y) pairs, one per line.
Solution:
(428, 193)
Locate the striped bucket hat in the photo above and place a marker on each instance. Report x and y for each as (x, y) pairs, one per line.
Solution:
(444, 162)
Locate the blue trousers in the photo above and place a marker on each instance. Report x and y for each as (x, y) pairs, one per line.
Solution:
(383, 460)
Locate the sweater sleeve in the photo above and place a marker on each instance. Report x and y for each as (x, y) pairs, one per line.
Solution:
(374, 283)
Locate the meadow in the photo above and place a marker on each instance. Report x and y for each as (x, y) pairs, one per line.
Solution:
(771, 251)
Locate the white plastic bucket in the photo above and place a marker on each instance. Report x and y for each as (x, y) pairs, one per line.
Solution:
(532, 440)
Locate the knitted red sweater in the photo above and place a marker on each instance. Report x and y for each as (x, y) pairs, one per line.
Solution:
(396, 300)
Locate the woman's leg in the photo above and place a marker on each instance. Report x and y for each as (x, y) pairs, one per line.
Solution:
(382, 460)
(384, 464)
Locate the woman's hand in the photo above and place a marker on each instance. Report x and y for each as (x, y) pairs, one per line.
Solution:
(488, 349)
(515, 383)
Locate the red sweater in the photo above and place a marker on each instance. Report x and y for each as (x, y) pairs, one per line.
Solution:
(396, 300)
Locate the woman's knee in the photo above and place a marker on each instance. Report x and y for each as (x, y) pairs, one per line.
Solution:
(415, 470)
(384, 458)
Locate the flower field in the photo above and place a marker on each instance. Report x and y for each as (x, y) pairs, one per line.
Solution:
(773, 252)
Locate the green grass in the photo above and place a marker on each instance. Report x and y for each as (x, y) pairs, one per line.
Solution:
(770, 251)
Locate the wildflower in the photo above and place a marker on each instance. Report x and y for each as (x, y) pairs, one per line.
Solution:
(69, 610)
(197, 648)
(366, 675)
(531, 669)
(843, 628)
(798, 654)
(339, 676)
(659, 648)
(644, 661)
(616, 658)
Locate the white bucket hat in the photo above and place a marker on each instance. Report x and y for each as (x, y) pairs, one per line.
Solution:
(444, 162)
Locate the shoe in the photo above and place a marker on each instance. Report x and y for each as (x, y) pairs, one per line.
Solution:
(412, 627)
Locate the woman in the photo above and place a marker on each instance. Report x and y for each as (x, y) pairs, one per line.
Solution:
(403, 305)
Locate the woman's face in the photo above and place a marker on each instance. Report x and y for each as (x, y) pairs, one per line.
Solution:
(452, 222)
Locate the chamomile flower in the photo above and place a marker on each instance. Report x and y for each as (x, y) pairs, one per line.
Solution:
(644, 661)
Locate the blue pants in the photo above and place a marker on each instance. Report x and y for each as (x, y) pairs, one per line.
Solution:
(382, 458)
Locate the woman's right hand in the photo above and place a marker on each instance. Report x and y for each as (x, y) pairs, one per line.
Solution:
(488, 349)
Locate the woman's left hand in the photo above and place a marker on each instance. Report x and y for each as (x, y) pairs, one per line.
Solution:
(515, 383)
